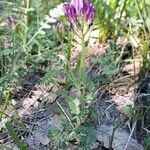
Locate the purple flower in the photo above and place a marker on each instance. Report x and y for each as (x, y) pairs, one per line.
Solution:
(8, 42)
(11, 21)
(79, 9)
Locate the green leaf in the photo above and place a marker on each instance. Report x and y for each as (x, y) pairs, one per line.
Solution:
(87, 136)
(74, 107)
(147, 142)
(50, 76)
(128, 110)
(14, 135)
(55, 136)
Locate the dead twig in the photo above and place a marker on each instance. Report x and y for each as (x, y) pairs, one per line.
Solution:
(134, 125)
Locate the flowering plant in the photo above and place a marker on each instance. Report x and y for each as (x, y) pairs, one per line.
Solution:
(80, 14)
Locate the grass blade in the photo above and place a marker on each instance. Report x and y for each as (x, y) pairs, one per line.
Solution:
(14, 135)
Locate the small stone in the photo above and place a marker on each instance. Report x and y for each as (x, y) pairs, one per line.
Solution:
(104, 132)
(43, 139)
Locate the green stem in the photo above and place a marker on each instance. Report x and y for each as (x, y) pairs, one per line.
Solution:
(145, 38)
(122, 10)
(119, 19)
(7, 98)
(36, 33)
(26, 3)
(83, 61)
(65, 114)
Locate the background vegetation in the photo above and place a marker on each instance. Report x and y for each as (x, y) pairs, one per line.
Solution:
(28, 48)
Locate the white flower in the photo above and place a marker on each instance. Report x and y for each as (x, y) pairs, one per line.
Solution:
(53, 16)
(45, 25)
(50, 19)
(58, 11)
(53, 13)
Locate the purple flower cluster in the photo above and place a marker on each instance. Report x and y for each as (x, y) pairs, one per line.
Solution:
(79, 10)
(11, 21)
